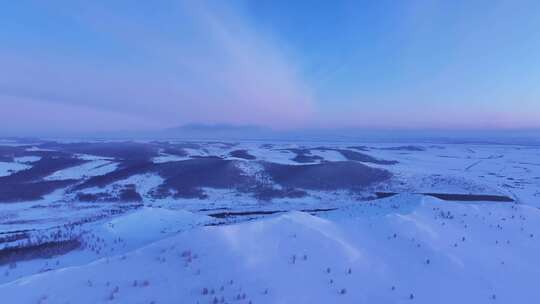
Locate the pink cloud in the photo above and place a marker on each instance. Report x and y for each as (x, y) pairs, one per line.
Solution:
(226, 72)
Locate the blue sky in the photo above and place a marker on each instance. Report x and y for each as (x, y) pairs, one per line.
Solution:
(120, 65)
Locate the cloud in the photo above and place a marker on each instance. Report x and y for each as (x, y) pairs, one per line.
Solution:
(187, 62)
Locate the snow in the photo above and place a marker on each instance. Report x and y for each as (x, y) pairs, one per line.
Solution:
(110, 237)
(37, 149)
(196, 152)
(144, 183)
(164, 158)
(274, 155)
(365, 251)
(254, 169)
(89, 169)
(92, 157)
(8, 168)
(156, 221)
(376, 253)
(18, 164)
(11, 143)
(329, 155)
(27, 159)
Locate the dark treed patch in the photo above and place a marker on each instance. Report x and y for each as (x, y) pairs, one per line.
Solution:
(129, 194)
(385, 194)
(95, 197)
(28, 184)
(359, 148)
(318, 210)
(457, 197)
(49, 154)
(10, 152)
(243, 213)
(44, 250)
(30, 191)
(125, 194)
(7, 237)
(357, 156)
(227, 214)
(41, 168)
(326, 176)
(126, 170)
(187, 145)
(117, 150)
(190, 193)
(266, 193)
(161, 193)
(303, 155)
(206, 157)
(242, 154)
(175, 151)
(186, 178)
(305, 158)
(470, 197)
(182, 178)
(404, 148)
(7, 159)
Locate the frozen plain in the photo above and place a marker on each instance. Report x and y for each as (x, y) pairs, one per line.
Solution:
(315, 222)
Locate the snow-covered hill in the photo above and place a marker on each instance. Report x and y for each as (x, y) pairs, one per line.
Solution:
(404, 249)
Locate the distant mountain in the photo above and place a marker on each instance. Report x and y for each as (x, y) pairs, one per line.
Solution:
(190, 132)
(218, 131)
(230, 132)
(251, 132)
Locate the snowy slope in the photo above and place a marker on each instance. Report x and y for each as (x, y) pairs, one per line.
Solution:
(92, 168)
(145, 224)
(405, 249)
(113, 237)
(8, 168)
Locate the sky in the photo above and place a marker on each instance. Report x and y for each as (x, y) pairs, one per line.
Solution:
(86, 66)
